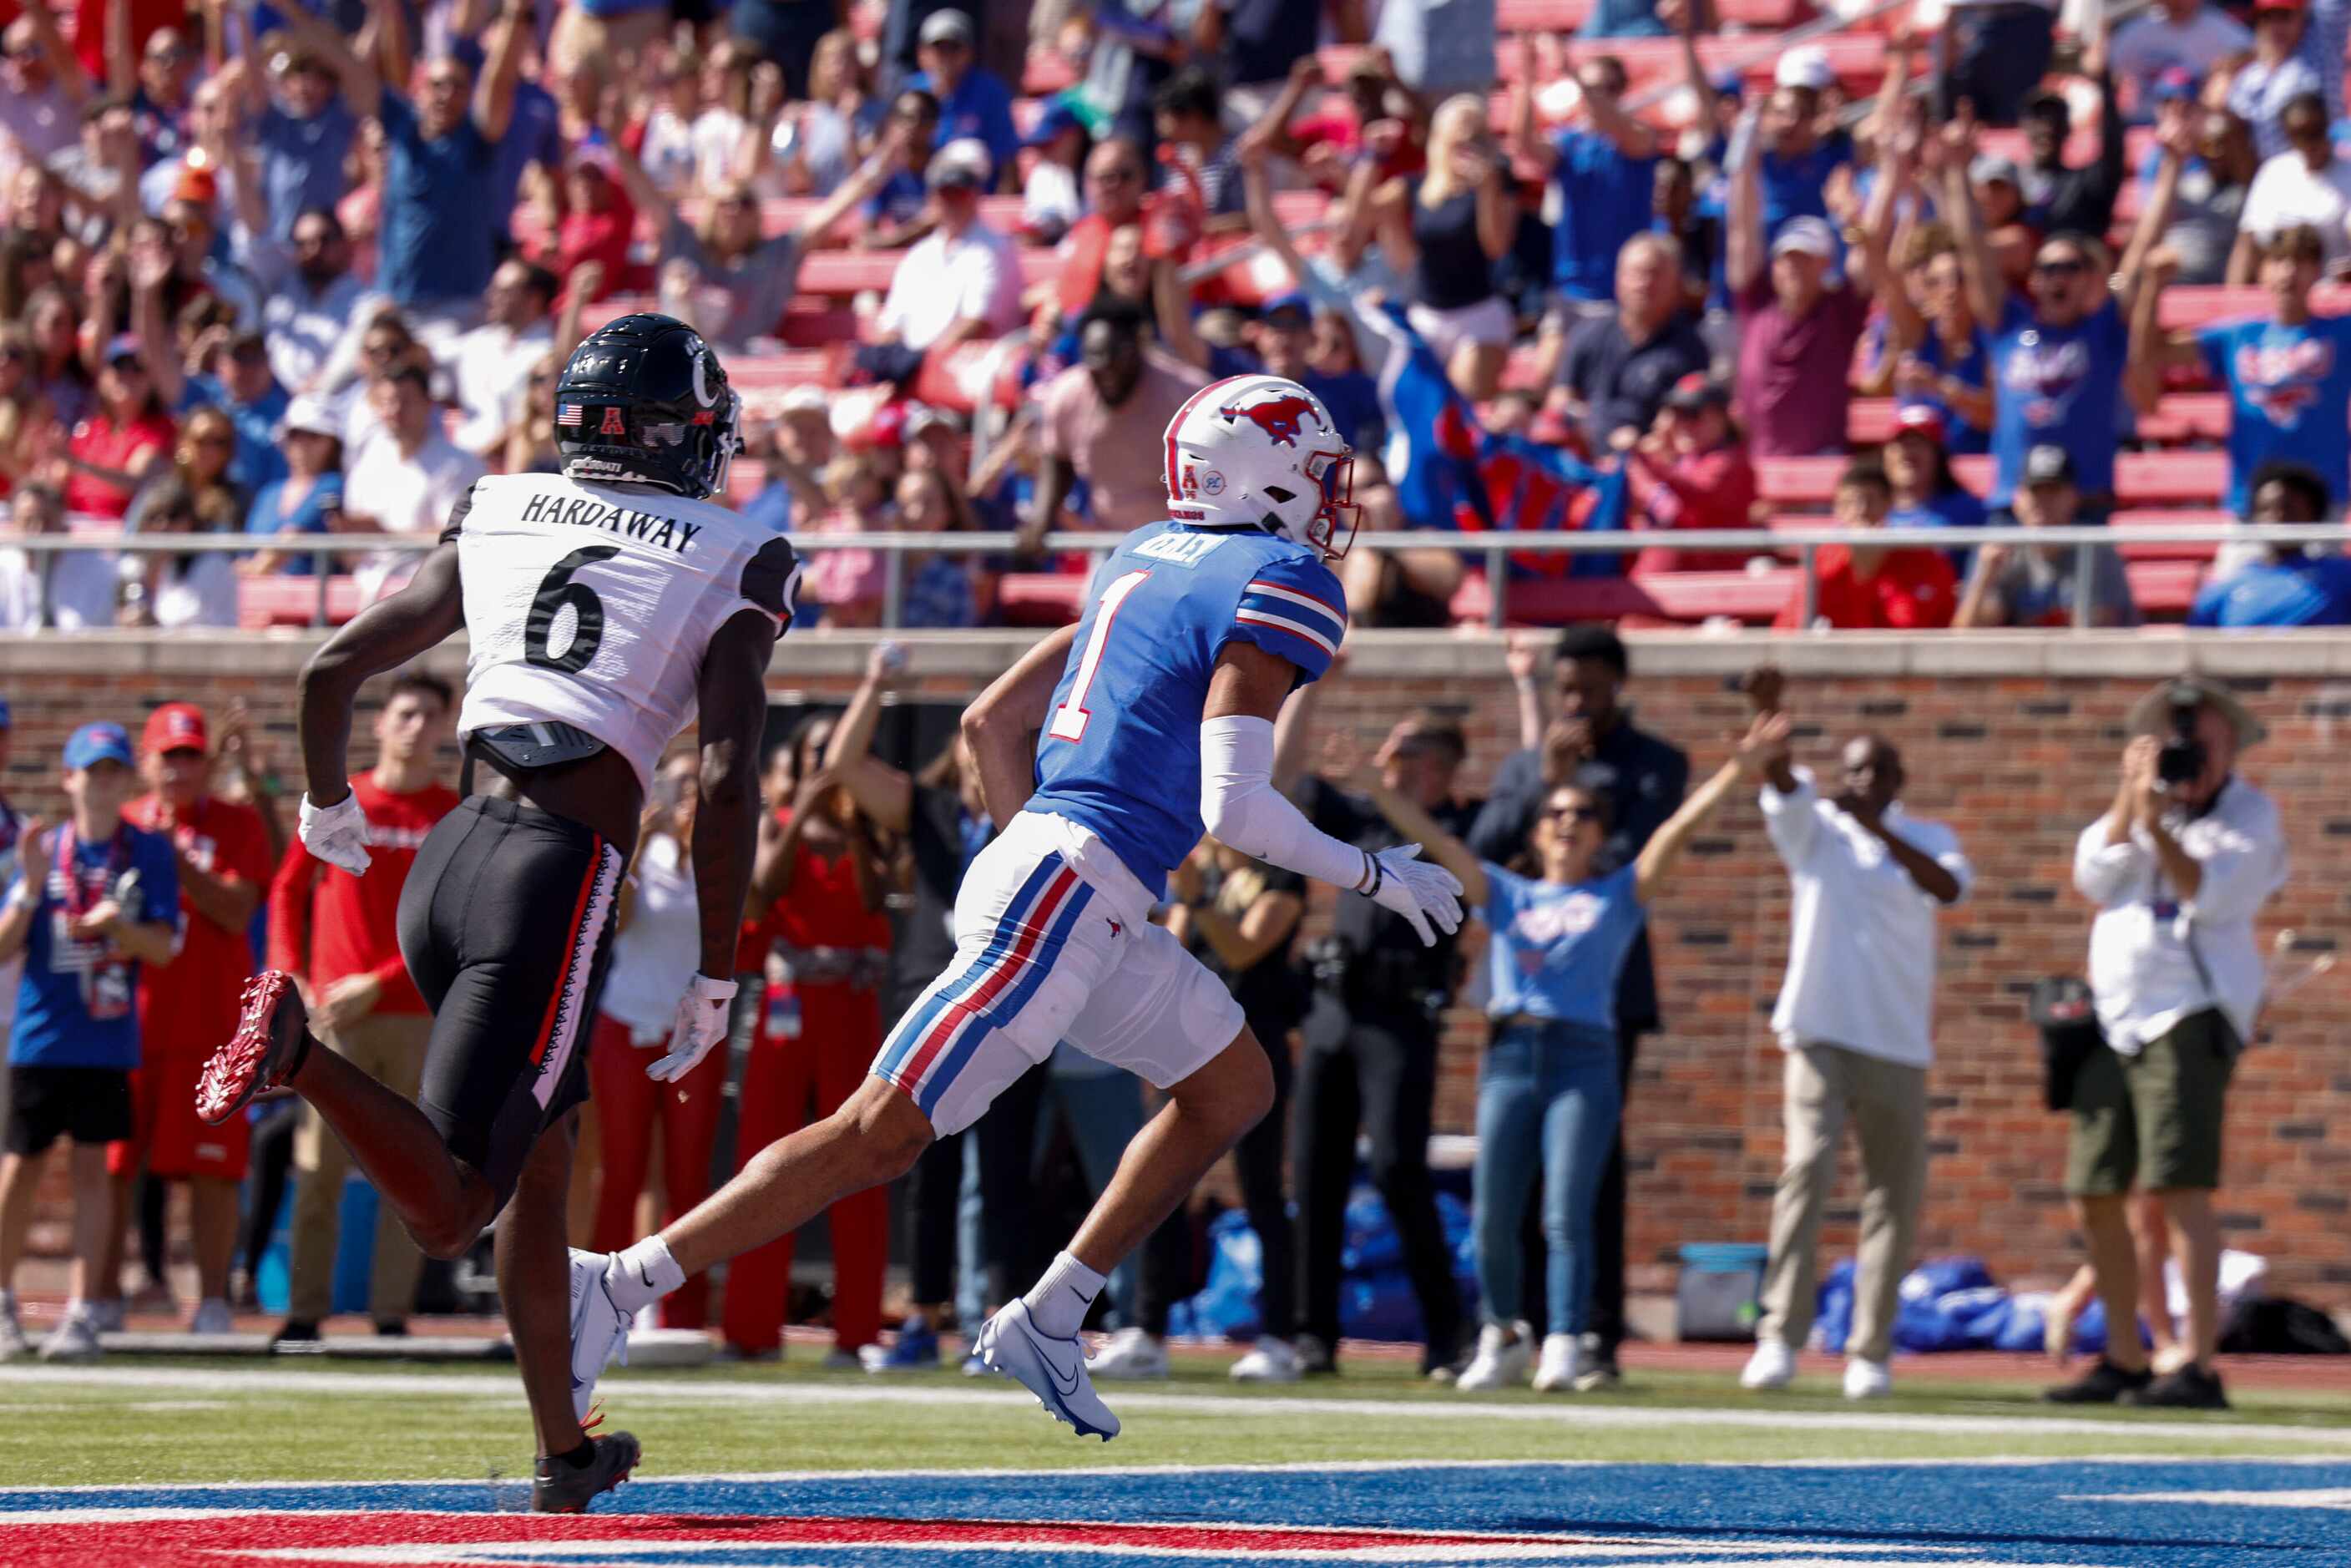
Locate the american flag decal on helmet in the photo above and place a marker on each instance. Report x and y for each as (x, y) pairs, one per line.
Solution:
(569, 414)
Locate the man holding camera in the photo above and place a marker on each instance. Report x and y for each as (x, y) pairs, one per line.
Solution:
(2179, 866)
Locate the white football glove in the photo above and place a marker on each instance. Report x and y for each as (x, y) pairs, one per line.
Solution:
(701, 1024)
(1424, 893)
(337, 835)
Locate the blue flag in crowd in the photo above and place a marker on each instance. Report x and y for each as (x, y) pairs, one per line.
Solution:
(1451, 471)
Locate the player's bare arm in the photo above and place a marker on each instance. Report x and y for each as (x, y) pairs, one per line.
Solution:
(382, 637)
(1001, 726)
(734, 706)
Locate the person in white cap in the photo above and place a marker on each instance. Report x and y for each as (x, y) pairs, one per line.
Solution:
(1797, 322)
(962, 280)
(973, 103)
(1800, 149)
(309, 498)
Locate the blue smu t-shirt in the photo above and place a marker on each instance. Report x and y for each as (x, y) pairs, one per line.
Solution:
(302, 162)
(2300, 590)
(1798, 187)
(1120, 754)
(2290, 399)
(260, 460)
(1604, 200)
(437, 245)
(63, 978)
(1972, 366)
(1558, 948)
(2058, 385)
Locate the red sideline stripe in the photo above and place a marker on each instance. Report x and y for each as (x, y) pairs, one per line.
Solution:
(1055, 890)
(572, 955)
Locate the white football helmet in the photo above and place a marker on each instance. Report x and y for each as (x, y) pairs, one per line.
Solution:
(1261, 452)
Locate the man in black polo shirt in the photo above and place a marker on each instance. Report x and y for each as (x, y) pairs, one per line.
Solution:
(1593, 738)
(1617, 369)
(1371, 1036)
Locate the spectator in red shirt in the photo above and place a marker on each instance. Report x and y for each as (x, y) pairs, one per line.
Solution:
(1691, 472)
(339, 935)
(598, 220)
(187, 1007)
(1865, 589)
(123, 442)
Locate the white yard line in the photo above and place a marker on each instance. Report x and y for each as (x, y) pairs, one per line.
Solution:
(1575, 1415)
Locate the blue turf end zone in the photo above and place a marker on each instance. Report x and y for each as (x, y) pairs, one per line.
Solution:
(2193, 1514)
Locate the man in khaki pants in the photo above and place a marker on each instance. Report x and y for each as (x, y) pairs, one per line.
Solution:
(341, 933)
(1856, 1018)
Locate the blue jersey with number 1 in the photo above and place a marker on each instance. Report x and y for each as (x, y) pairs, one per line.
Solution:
(1120, 754)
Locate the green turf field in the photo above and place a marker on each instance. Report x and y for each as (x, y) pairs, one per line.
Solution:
(159, 1421)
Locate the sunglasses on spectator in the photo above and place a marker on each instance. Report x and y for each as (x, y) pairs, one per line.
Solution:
(1573, 813)
(210, 441)
(2066, 268)
(1121, 175)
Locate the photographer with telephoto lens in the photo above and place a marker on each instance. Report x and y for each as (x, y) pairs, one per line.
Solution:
(2178, 867)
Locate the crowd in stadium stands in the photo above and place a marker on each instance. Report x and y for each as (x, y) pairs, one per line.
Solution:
(289, 274)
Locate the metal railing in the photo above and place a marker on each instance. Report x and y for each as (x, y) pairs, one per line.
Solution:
(1494, 550)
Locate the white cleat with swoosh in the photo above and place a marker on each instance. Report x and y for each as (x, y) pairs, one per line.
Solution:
(600, 1329)
(1054, 1370)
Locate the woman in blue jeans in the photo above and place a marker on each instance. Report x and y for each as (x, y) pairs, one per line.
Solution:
(1547, 1097)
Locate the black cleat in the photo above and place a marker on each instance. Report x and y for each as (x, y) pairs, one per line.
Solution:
(273, 1036)
(2103, 1384)
(560, 1487)
(297, 1331)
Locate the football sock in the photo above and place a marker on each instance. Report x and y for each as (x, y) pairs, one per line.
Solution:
(580, 1458)
(1059, 1303)
(643, 1274)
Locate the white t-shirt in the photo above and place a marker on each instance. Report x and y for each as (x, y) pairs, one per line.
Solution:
(668, 153)
(655, 955)
(944, 280)
(1050, 202)
(406, 496)
(717, 144)
(2151, 44)
(2287, 192)
(80, 596)
(204, 595)
(1861, 937)
(493, 364)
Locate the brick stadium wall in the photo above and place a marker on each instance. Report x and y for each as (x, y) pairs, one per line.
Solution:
(2012, 740)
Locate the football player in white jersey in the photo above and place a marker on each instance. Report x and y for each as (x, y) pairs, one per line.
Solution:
(605, 608)
(1102, 753)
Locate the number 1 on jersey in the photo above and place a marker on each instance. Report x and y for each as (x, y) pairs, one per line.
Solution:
(1070, 718)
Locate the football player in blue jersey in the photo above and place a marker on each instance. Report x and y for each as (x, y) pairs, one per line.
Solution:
(1152, 719)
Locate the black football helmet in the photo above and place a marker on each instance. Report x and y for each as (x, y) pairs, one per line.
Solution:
(643, 399)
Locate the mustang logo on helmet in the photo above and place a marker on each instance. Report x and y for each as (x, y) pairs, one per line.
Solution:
(1278, 416)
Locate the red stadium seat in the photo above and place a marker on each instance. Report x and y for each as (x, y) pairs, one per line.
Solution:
(266, 601)
(2141, 478)
(1754, 598)
(1038, 597)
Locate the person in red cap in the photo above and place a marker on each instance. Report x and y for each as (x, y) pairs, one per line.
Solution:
(1867, 588)
(189, 1006)
(340, 934)
(1927, 493)
(1691, 472)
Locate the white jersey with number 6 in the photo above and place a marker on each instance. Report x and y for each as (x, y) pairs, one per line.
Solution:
(593, 604)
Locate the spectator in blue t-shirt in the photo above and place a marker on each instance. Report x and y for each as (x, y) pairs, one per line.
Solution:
(304, 133)
(1548, 1095)
(2289, 376)
(2058, 358)
(898, 213)
(92, 899)
(436, 251)
(1927, 493)
(973, 102)
(1798, 157)
(237, 382)
(2285, 585)
(1606, 174)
